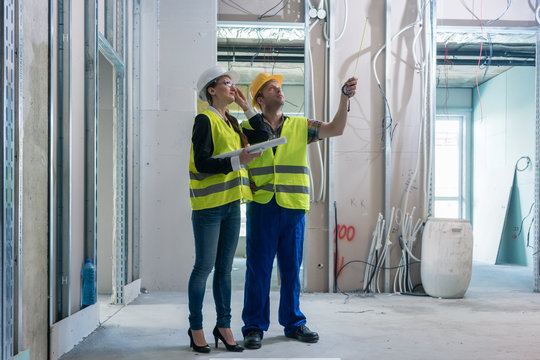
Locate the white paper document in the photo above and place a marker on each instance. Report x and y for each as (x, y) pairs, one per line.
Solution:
(260, 147)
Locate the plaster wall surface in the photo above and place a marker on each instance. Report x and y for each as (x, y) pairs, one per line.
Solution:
(34, 132)
(179, 43)
(504, 130)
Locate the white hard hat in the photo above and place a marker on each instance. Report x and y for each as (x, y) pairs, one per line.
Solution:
(210, 75)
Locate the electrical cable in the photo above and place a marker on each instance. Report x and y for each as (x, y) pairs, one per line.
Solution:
(336, 246)
(523, 220)
(344, 21)
(526, 166)
(372, 251)
(236, 6)
(479, 60)
(366, 286)
(325, 26)
(263, 16)
(489, 57)
(368, 263)
(508, 4)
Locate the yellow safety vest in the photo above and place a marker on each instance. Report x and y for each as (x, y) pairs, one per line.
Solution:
(212, 190)
(285, 173)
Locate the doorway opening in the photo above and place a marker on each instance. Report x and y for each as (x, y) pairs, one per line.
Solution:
(484, 139)
(105, 185)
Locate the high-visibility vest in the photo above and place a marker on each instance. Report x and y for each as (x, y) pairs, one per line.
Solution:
(284, 174)
(212, 190)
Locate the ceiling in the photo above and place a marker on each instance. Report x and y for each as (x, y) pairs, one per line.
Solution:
(459, 63)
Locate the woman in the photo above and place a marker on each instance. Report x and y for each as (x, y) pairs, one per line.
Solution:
(216, 188)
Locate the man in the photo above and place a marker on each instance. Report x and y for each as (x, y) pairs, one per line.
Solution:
(275, 219)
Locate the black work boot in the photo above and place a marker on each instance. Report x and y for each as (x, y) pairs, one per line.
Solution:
(302, 333)
(252, 339)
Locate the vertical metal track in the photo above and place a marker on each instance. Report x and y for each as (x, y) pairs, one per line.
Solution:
(307, 111)
(431, 59)
(120, 259)
(110, 6)
(536, 285)
(7, 172)
(18, 313)
(63, 191)
(136, 155)
(330, 108)
(91, 130)
(52, 148)
(387, 137)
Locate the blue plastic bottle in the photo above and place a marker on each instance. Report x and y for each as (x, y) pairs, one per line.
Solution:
(89, 283)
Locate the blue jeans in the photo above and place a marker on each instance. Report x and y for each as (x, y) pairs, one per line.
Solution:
(216, 233)
(272, 229)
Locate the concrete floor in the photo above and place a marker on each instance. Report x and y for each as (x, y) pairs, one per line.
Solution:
(499, 318)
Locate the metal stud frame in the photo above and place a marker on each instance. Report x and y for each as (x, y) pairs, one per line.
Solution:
(7, 149)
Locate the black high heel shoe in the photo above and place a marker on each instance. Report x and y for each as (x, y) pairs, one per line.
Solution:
(235, 347)
(202, 349)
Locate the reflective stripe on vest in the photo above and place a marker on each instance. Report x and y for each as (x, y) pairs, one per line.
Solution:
(212, 190)
(284, 174)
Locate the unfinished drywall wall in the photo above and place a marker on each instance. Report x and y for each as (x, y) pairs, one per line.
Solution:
(170, 65)
(358, 176)
(359, 158)
(34, 157)
(504, 130)
(357, 179)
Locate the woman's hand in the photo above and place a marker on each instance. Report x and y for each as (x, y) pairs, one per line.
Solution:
(246, 157)
(240, 99)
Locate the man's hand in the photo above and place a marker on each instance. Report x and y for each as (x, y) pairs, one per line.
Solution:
(349, 88)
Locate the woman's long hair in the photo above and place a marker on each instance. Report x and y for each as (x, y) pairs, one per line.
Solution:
(231, 119)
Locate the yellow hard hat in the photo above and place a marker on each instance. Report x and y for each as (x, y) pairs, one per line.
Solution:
(258, 83)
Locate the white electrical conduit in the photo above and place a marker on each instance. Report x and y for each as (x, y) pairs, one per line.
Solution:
(375, 245)
(314, 198)
(407, 240)
(325, 31)
(420, 66)
(374, 62)
(375, 262)
(387, 244)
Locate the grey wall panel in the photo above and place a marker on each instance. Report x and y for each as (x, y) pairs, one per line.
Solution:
(170, 66)
(35, 174)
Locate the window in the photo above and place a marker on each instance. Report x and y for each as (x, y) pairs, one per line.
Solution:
(449, 169)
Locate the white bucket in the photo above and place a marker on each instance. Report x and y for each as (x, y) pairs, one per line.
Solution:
(447, 246)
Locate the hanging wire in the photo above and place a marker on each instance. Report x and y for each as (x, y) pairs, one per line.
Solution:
(528, 159)
(236, 6)
(479, 60)
(490, 56)
(508, 4)
(263, 16)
